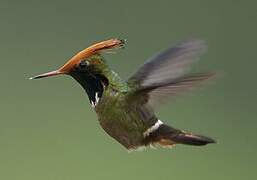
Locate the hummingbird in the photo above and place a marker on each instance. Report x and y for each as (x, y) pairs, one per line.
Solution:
(126, 108)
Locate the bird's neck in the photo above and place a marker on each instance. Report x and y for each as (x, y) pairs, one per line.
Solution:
(115, 81)
(96, 83)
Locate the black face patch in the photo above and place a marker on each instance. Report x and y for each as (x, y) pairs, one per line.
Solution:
(93, 83)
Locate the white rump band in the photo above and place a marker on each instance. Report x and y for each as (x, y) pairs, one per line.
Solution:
(153, 128)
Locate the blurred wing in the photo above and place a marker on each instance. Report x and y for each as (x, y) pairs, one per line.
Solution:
(160, 94)
(164, 75)
(168, 65)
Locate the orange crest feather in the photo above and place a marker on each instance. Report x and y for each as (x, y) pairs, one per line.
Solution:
(91, 50)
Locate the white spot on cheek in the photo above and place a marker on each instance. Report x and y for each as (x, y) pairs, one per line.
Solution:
(153, 128)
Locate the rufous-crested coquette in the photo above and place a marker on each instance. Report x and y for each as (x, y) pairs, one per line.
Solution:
(125, 108)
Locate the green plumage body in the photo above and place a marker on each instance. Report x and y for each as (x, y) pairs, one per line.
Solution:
(122, 119)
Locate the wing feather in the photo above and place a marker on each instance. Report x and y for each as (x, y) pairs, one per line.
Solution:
(169, 65)
(160, 94)
(164, 75)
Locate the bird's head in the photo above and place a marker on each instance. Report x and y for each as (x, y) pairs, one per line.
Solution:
(87, 60)
(89, 69)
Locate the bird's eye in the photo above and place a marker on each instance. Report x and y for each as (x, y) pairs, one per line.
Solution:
(83, 64)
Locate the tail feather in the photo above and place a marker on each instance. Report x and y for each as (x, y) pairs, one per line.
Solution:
(192, 139)
(167, 136)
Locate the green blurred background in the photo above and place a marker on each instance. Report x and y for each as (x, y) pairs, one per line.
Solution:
(48, 131)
